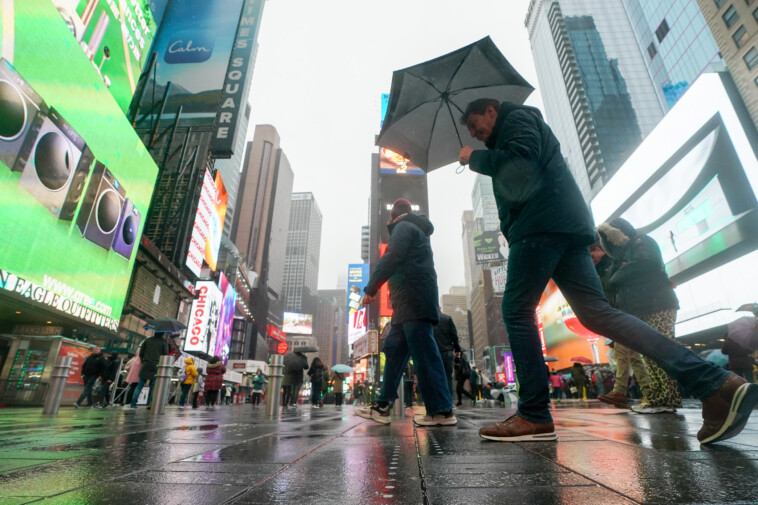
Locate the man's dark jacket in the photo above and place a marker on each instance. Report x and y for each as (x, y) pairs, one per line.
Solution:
(111, 369)
(446, 334)
(93, 365)
(534, 189)
(408, 264)
(150, 354)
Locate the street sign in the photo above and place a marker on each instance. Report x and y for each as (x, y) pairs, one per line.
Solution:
(282, 347)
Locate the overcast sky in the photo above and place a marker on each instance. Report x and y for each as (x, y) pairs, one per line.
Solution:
(319, 76)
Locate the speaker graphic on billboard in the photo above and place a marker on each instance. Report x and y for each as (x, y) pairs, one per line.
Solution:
(100, 214)
(21, 109)
(55, 164)
(126, 231)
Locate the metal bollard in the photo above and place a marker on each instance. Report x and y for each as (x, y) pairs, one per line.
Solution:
(162, 385)
(399, 407)
(275, 386)
(56, 386)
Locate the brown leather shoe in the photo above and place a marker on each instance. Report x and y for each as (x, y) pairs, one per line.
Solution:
(518, 429)
(614, 398)
(727, 410)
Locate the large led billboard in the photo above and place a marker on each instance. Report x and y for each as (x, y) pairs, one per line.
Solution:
(225, 319)
(75, 180)
(489, 247)
(209, 223)
(297, 324)
(204, 318)
(357, 278)
(392, 187)
(392, 163)
(192, 48)
(116, 36)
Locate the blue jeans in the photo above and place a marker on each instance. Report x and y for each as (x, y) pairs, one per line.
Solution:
(535, 259)
(415, 339)
(138, 390)
(89, 383)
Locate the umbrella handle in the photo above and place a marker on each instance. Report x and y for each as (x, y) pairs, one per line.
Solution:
(460, 169)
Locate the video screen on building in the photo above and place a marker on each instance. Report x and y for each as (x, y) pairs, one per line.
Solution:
(208, 225)
(116, 38)
(392, 163)
(75, 180)
(204, 318)
(225, 319)
(297, 324)
(357, 278)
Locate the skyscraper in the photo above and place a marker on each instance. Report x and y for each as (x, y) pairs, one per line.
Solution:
(329, 327)
(301, 259)
(483, 199)
(599, 97)
(455, 304)
(675, 42)
(734, 25)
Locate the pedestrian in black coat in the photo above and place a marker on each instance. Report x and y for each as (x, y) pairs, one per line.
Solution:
(446, 336)
(92, 369)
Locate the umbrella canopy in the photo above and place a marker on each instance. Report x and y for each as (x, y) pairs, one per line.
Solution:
(342, 369)
(165, 324)
(427, 100)
(749, 307)
(744, 331)
(305, 348)
(581, 359)
(550, 358)
(715, 356)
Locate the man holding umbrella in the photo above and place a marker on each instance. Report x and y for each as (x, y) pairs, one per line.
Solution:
(549, 228)
(409, 267)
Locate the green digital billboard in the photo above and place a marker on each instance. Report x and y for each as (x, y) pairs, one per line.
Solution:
(115, 36)
(75, 180)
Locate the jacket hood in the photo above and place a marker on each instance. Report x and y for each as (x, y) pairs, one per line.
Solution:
(215, 365)
(417, 218)
(613, 237)
(505, 109)
(189, 361)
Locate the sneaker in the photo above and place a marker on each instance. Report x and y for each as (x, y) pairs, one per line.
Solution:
(441, 419)
(375, 413)
(98, 406)
(618, 400)
(727, 410)
(76, 405)
(458, 404)
(518, 429)
(646, 408)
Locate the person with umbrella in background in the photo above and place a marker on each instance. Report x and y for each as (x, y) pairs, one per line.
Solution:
(294, 364)
(408, 265)
(740, 360)
(150, 353)
(92, 369)
(316, 373)
(549, 229)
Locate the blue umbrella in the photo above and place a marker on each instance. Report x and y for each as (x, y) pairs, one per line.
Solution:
(715, 356)
(342, 369)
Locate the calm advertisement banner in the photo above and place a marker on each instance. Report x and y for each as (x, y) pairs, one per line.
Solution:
(75, 180)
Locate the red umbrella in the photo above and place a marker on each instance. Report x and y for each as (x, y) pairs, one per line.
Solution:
(581, 359)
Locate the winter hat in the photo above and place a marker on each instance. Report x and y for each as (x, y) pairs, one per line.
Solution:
(400, 207)
(614, 236)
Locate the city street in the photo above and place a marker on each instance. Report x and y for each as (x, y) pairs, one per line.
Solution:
(234, 455)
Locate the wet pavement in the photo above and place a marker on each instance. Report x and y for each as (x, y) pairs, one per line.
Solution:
(328, 456)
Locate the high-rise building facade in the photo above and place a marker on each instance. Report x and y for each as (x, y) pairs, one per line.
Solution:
(302, 255)
(455, 304)
(485, 207)
(675, 42)
(734, 24)
(231, 171)
(329, 326)
(471, 269)
(599, 97)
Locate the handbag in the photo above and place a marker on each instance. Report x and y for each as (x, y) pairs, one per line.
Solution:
(573, 389)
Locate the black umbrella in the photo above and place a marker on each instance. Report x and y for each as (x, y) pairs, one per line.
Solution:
(744, 331)
(427, 100)
(165, 324)
(305, 348)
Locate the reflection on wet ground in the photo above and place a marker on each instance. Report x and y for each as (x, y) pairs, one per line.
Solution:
(236, 455)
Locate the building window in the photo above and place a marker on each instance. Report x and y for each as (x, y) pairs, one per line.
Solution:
(730, 16)
(662, 30)
(751, 58)
(740, 36)
(651, 50)
(719, 3)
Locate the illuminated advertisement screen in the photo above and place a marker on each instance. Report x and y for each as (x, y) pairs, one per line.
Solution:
(204, 318)
(385, 103)
(357, 278)
(297, 324)
(392, 163)
(193, 47)
(489, 247)
(208, 227)
(75, 180)
(115, 35)
(225, 319)
(563, 335)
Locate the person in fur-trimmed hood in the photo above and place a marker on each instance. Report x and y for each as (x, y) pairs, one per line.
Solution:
(640, 286)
